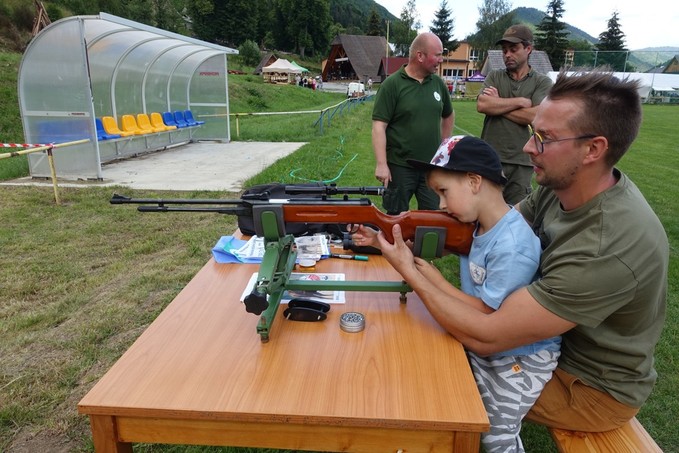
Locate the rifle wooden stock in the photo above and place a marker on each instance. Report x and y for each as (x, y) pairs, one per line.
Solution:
(458, 236)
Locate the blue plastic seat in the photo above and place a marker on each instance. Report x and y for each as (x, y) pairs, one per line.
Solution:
(188, 116)
(168, 119)
(102, 134)
(179, 119)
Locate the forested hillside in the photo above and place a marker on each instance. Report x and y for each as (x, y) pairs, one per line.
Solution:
(535, 16)
(281, 24)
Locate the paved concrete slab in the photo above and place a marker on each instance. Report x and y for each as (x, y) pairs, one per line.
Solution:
(195, 166)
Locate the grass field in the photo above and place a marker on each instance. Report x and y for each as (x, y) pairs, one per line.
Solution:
(81, 281)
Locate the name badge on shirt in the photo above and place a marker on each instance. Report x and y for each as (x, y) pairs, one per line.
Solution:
(477, 272)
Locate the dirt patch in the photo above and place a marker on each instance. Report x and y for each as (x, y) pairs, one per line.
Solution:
(44, 441)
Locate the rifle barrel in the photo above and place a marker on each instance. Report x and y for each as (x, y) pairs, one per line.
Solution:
(121, 199)
(334, 190)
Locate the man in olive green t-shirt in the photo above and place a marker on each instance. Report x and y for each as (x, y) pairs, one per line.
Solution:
(509, 99)
(603, 268)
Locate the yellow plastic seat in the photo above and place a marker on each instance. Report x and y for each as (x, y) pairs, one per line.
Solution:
(157, 121)
(111, 127)
(129, 124)
(145, 125)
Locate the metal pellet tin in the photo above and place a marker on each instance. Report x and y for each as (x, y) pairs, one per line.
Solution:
(352, 321)
(306, 265)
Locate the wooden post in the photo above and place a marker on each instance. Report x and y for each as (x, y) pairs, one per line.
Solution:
(53, 171)
(50, 158)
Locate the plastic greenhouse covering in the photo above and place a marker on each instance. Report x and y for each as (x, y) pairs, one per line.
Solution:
(81, 69)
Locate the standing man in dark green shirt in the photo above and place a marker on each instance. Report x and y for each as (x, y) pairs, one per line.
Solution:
(412, 114)
(509, 100)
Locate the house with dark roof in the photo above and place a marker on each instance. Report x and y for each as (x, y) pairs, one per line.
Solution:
(266, 60)
(354, 57)
(538, 60)
(672, 66)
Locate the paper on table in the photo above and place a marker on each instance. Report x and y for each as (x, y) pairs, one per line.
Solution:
(329, 296)
(308, 247)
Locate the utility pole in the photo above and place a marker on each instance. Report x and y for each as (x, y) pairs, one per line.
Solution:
(386, 59)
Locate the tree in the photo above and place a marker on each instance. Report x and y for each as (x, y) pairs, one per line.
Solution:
(374, 24)
(265, 18)
(249, 54)
(611, 47)
(495, 17)
(613, 38)
(551, 35)
(336, 29)
(227, 22)
(405, 29)
(443, 26)
(302, 25)
(167, 15)
(156, 13)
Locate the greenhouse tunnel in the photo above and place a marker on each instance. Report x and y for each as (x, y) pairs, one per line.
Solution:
(81, 69)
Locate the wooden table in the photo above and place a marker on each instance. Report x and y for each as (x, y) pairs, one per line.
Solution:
(200, 375)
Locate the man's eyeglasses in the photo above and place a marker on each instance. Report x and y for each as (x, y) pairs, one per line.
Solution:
(541, 142)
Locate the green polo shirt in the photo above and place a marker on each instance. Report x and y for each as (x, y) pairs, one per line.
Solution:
(413, 112)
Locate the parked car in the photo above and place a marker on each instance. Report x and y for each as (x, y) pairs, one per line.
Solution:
(355, 89)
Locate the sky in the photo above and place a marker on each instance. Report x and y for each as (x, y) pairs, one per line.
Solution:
(644, 24)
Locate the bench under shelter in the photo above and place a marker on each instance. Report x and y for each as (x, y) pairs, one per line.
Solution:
(82, 68)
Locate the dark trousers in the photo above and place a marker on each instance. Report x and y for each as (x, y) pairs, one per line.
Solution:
(406, 182)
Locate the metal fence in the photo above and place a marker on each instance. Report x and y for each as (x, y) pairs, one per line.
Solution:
(622, 61)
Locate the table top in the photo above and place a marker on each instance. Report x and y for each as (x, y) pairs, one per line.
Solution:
(202, 359)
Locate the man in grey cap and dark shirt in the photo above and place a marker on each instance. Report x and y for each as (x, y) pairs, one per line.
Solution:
(509, 99)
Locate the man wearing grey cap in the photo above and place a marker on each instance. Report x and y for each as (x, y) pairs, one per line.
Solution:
(509, 100)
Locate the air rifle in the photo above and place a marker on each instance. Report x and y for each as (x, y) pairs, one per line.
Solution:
(323, 209)
(430, 231)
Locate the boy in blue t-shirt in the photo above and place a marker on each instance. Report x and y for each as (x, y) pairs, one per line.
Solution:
(467, 176)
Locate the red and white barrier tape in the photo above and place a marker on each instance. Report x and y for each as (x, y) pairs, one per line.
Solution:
(24, 145)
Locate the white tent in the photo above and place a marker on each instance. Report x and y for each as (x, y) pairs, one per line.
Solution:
(282, 66)
(279, 71)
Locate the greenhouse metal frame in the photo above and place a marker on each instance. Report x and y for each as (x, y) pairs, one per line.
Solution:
(83, 68)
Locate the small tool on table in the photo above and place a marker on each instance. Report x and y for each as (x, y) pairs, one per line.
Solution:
(349, 257)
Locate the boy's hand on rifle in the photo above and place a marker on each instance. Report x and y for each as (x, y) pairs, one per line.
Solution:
(363, 236)
(431, 272)
(399, 254)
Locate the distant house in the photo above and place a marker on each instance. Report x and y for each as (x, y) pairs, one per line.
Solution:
(460, 63)
(267, 60)
(456, 65)
(390, 65)
(539, 61)
(672, 67)
(354, 57)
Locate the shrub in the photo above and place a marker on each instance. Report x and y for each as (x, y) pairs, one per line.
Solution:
(249, 53)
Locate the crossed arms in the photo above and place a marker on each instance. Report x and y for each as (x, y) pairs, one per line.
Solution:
(519, 109)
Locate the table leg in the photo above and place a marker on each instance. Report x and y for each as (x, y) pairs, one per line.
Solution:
(105, 435)
(469, 442)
